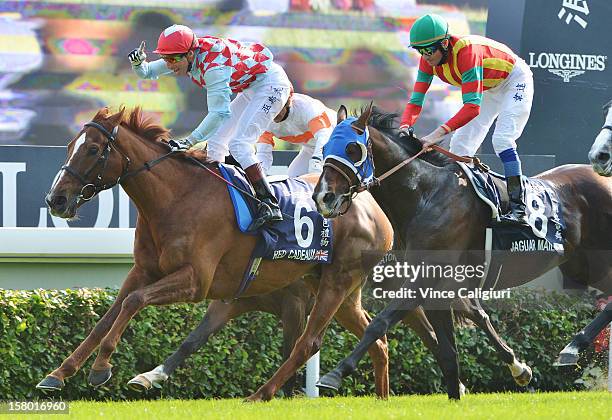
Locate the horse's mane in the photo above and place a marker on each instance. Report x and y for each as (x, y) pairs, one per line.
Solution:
(385, 122)
(139, 123)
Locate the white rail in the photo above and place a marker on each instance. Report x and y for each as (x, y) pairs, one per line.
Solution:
(66, 244)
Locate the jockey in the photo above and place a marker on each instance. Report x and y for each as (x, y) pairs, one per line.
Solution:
(495, 83)
(221, 67)
(305, 121)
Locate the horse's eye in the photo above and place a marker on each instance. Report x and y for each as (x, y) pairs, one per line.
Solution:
(92, 150)
(354, 152)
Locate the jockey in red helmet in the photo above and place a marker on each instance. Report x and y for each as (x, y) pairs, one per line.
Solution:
(222, 67)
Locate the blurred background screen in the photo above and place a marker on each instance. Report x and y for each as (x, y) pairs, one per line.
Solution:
(60, 61)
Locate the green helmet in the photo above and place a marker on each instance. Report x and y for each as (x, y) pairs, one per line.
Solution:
(428, 29)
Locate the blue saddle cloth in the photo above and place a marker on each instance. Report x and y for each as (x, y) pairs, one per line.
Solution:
(542, 206)
(303, 235)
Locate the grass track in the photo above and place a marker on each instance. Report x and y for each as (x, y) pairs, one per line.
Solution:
(561, 405)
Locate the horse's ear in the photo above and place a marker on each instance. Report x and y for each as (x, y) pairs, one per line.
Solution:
(363, 119)
(115, 119)
(342, 114)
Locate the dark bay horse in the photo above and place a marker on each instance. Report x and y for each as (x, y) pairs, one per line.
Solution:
(600, 157)
(188, 247)
(433, 207)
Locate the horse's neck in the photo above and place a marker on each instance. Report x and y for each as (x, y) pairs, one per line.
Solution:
(387, 155)
(400, 194)
(161, 182)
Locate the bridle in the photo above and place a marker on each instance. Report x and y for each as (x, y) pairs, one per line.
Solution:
(360, 185)
(102, 161)
(98, 186)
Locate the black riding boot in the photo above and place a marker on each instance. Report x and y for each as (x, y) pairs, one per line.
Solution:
(516, 215)
(268, 210)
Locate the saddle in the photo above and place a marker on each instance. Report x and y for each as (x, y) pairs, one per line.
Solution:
(543, 212)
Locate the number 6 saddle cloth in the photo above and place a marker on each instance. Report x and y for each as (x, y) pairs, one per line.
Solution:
(546, 230)
(303, 235)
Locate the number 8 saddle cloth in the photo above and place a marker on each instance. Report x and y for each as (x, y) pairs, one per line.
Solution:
(546, 230)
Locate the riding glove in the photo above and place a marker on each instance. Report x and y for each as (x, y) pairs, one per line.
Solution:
(406, 132)
(180, 145)
(137, 55)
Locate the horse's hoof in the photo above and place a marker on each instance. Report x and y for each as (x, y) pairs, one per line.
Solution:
(99, 377)
(50, 383)
(525, 377)
(462, 389)
(566, 359)
(256, 397)
(331, 380)
(140, 383)
(146, 381)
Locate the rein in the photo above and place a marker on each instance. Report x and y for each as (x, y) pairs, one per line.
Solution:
(111, 145)
(439, 149)
(354, 189)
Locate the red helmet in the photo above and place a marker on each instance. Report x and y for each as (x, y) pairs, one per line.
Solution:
(175, 39)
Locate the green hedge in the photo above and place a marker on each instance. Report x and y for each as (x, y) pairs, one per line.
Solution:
(38, 329)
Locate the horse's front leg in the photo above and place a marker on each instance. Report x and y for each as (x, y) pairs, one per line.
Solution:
(442, 322)
(217, 316)
(55, 380)
(180, 286)
(379, 326)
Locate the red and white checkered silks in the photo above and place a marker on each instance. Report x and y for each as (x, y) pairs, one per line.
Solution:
(247, 60)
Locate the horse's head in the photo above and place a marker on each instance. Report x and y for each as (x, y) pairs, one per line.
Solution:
(93, 164)
(600, 154)
(348, 166)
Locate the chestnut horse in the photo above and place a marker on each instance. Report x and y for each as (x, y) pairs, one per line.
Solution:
(188, 247)
(433, 208)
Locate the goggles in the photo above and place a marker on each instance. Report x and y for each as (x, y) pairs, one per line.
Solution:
(429, 49)
(173, 58)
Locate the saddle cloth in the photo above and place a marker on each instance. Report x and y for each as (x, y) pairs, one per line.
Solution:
(303, 235)
(543, 214)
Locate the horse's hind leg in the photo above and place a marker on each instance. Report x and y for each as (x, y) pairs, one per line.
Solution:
(330, 296)
(55, 380)
(355, 319)
(217, 316)
(179, 286)
(472, 309)
(293, 317)
(570, 354)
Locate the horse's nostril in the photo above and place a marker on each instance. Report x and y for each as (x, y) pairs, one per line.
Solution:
(328, 198)
(603, 157)
(57, 202)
